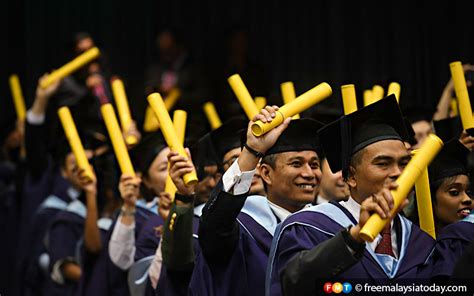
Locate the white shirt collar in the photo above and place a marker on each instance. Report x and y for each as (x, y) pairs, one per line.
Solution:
(280, 212)
(352, 206)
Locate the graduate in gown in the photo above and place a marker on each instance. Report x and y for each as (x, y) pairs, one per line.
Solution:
(69, 229)
(322, 243)
(134, 236)
(452, 205)
(236, 229)
(176, 255)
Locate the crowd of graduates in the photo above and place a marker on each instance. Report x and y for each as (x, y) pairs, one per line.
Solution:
(237, 212)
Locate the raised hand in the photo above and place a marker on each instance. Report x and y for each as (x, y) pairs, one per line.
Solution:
(164, 205)
(129, 187)
(381, 203)
(89, 185)
(266, 141)
(179, 166)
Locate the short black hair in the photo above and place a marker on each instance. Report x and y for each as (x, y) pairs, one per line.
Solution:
(271, 161)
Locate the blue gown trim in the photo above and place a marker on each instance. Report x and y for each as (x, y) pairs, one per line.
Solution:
(257, 207)
(138, 275)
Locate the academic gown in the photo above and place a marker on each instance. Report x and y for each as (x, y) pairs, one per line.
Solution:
(88, 260)
(36, 264)
(451, 242)
(106, 278)
(146, 244)
(63, 245)
(235, 236)
(322, 224)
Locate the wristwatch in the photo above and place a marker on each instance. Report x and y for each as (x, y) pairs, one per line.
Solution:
(185, 198)
(254, 152)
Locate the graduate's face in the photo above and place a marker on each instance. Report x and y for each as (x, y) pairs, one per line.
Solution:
(453, 200)
(207, 183)
(292, 183)
(422, 129)
(70, 170)
(84, 45)
(332, 185)
(157, 172)
(377, 166)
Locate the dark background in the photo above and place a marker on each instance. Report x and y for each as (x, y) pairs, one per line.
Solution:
(360, 42)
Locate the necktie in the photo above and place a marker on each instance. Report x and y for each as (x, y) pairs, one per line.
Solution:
(385, 244)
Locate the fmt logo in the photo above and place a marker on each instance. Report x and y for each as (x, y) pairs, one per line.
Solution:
(337, 288)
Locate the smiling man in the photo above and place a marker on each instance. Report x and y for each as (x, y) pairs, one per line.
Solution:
(236, 229)
(322, 243)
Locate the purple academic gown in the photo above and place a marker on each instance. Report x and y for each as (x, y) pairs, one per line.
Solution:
(244, 272)
(148, 240)
(36, 273)
(450, 244)
(306, 229)
(89, 261)
(63, 241)
(104, 277)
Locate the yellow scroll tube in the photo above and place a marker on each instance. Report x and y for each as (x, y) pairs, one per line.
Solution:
(377, 93)
(261, 102)
(423, 198)
(289, 94)
(349, 100)
(394, 88)
(172, 98)
(169, 133)
(17, 95)
(411, 173)
(243, 95)
(71, 67)
(300, 104)
(74, 141)
(460, 88)
(368, 97)
(179, 123)
(212, 116)
(116, 138)
(123, 109)
(150, 123)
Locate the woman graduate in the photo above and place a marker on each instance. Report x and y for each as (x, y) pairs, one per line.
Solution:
(109, 276)
(452, 205)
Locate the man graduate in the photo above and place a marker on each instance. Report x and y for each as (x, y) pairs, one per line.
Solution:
(322, 243)
(236, 229)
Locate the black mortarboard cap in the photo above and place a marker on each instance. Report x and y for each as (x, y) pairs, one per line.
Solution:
(411, 132)
(300, 135)
(145, 152)
(351, 133)
(227, 136)
(417, 113)
(448, 128)
(451, 161)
